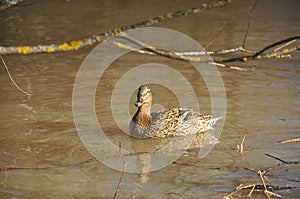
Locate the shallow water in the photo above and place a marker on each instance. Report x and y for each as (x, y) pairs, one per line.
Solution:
(38, 134)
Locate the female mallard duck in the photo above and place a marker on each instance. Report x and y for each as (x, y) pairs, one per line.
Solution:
(166, 123)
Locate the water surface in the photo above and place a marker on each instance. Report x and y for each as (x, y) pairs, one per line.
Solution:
(39, 131)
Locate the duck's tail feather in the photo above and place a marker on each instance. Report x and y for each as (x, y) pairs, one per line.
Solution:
(212, 122)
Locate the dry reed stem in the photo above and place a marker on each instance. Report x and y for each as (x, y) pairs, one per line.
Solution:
(261, 54)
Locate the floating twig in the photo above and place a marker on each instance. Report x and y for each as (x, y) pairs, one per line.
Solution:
(279, 54)
(173, 55)
(157, 51)
(248, 25)
(283, 161)
(191, 53)
(122, 45)
(44, 168)
(193, 56)
(261, 54)
(11, 79)
(233, 67)
(292, 140)
(123, 171)
(284, 45)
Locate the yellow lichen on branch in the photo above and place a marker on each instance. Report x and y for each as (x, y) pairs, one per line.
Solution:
(72, 45)
(23, 49)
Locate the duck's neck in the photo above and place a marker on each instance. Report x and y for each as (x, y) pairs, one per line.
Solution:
(142, 117)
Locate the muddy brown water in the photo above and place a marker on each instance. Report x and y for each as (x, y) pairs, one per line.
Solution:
(39, 131)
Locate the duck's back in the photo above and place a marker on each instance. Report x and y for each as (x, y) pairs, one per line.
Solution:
(178, 122)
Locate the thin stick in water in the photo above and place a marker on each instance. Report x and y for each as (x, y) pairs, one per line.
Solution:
(292, 140)
(123, 171)
(248, 26)
(11, 79)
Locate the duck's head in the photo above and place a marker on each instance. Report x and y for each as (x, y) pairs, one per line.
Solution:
(144, 97)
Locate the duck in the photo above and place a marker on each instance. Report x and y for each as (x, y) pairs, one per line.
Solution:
(166, 123)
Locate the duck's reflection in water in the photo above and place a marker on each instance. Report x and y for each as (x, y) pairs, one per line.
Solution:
(153, 154)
